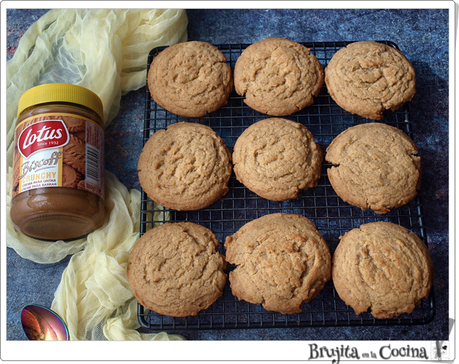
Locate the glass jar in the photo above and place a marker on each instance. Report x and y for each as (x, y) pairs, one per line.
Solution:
(58, 166)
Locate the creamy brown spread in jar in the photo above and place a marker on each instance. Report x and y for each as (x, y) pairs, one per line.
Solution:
(58, 166)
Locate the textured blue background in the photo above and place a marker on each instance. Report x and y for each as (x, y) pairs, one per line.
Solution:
(422, 35)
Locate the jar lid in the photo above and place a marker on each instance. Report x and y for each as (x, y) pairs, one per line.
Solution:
(61, 92)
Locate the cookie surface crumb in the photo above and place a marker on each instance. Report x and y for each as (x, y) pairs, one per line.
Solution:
(190, 79)
(383, 267)
(185, 167)
(374, 166)
(175, 269)
(282, 261)
(276, 158)
(366, 78)
(278, 76)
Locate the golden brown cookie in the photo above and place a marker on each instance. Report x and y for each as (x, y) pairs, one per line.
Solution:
(375, 166)
(185, 167)
(276, 158)
(366, 78)
(190, 79)
(384, 267)
(74, 124)
(282, 261)
(278, 76)
(70, 177)
(175, 269)
(75, 154)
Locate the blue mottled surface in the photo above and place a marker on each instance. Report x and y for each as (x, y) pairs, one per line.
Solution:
(422, 35)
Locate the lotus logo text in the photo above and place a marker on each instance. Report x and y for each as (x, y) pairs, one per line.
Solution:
(42, 135)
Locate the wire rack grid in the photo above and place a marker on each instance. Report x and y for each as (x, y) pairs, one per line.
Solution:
(332, 216)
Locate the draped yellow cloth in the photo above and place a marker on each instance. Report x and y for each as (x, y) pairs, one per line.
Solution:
(104, 50)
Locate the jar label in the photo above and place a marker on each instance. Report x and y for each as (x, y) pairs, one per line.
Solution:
(64, 150)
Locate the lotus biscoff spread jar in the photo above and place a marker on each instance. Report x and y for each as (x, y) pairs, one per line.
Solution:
(58, 166)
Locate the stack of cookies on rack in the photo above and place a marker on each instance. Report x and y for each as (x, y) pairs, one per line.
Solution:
(281, 260)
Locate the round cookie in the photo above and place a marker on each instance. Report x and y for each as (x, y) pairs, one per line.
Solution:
(282, 261)
(185, 167)
(275, 158)
(278, 76)
(376, 167)
(366, 78)
(175, 270)
(190, 79)
(384, 267)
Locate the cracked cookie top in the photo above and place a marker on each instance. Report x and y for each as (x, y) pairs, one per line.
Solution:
(281, 261)
(185, 167)
(366, 78)
(190, 79)
(384, 267)
(278, 76)
(175, 270)
(375, 166)
(276, 158)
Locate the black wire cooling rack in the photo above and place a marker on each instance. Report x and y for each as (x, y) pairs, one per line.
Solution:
(321, 205)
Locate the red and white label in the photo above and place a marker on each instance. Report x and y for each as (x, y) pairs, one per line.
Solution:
(59, 150)
(42, 135)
